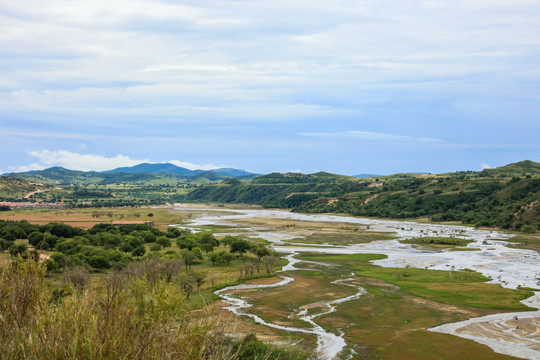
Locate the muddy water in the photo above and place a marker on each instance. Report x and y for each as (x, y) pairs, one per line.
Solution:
(507, 266)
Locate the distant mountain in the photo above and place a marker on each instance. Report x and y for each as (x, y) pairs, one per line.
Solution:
(366, 175)
(142, 172)
(210, 175)
(230, 172)
(167, 168)
(154, 169)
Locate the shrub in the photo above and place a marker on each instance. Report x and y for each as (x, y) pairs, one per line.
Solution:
(132, 321)
(155, 247)
(138, 251)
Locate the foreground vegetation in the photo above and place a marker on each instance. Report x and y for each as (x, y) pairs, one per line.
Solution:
(123, 285)
(122, 317)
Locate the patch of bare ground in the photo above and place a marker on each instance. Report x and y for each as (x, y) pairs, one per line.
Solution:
(370, 198)
(524, 331)
(457, 310)
(317, 232)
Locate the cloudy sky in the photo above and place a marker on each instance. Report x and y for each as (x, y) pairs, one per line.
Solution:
(350, 87)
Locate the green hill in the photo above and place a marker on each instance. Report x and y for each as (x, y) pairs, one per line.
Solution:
(508, 196)
(17, 189)
(62, 176)
(500, 198)
(522, 168)
(273, 190)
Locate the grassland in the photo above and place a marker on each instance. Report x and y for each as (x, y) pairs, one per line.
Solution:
(86, 218)
(391, 320)
(529, 241)
(437, 242)
(459, 288)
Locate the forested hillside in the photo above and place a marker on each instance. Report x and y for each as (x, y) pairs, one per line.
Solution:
(507, 197)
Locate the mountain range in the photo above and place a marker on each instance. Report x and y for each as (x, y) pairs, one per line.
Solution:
(173, 169)
(140, 172)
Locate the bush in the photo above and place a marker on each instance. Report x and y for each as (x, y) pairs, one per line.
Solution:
(138, 251)
(155, 247)
(99, 262)
(4, 244)
(15, 250)
(163, 241)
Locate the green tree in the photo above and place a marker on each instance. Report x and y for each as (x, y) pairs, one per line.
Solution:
(155, 247)
(240, 246)
(185, 242)
(208, 238)
(4, 244)
(98, 262)
(227, 257)
(188, 258)
(138, 251)
(259, 251)
(198, 252)
(214, 258)
(207, 248)
(15, 249)
(35, 238)
(163, 241)
(199, 277)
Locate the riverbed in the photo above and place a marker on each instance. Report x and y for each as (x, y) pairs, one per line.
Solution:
(516, 334)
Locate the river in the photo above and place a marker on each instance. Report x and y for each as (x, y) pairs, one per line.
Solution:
(510, 267)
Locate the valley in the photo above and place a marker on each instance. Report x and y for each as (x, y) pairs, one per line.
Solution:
(448, 285)
(443, 266)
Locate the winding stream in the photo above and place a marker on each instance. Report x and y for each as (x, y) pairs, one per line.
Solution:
(506, 266)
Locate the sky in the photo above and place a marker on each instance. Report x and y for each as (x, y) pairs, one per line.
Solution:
(348, 87)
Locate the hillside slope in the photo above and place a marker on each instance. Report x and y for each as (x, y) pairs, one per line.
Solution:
(495, 198)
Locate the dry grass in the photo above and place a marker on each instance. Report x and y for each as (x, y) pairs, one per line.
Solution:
(121, 318)
(86, 218)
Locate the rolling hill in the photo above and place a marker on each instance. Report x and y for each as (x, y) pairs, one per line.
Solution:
(144, 172)
(508, 196)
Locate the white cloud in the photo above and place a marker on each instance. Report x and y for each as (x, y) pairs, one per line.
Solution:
(83, 162)
(370, 136)
(485, 166)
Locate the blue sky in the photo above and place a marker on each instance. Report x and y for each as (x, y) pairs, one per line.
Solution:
(344, 86)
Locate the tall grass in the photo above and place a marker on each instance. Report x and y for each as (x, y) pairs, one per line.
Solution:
(122, 318)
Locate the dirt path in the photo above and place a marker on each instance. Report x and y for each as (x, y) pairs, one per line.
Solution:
(40, 191)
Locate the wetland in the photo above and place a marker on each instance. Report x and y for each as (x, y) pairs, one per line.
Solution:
(355, 288)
